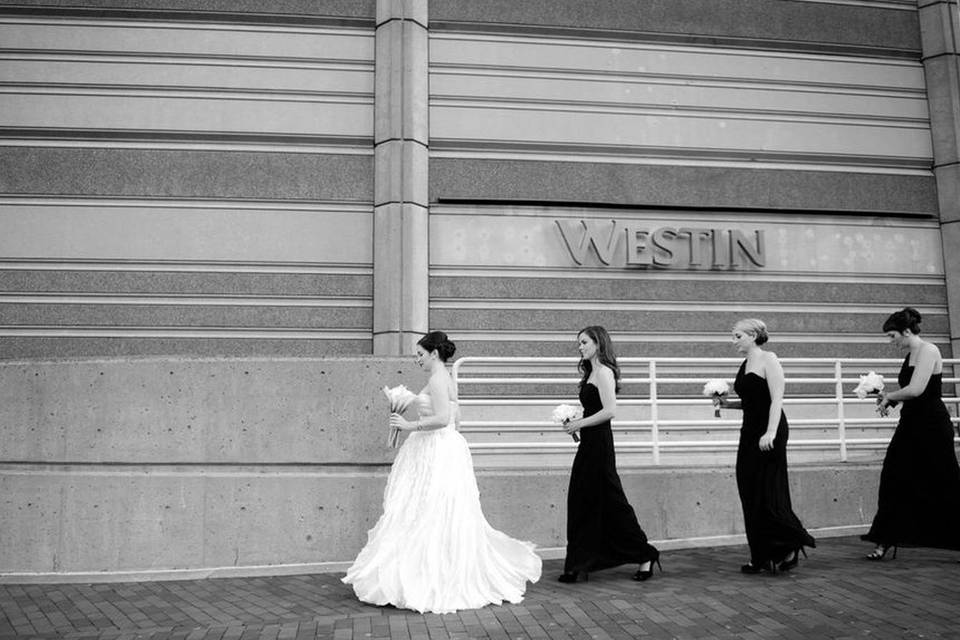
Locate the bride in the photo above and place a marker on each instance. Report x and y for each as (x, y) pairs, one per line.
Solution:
(432, 550)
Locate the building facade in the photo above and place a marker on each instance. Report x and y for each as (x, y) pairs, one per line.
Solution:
(332, 178)
(223, 221)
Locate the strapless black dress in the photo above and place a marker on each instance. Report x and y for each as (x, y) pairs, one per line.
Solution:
(919, 498)
(773, 529)
(602, 528)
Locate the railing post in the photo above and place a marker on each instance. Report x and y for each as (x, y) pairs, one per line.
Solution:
(456, 373)
(654, 418)
(841, 424)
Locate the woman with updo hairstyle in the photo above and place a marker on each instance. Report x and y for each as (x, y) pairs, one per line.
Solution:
(919, 497)
(775, 534)
(432, 550)
(438, 341)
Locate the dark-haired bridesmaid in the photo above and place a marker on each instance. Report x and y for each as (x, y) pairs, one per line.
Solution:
(919, 501)
(602, 527)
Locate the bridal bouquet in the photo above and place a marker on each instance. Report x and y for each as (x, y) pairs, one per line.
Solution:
(870, 384)
(399, 398)
(716, 388)
(564, 413)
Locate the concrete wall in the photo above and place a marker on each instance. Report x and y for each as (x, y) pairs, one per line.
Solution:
(155, 464)
(126, 468)
(680, 506)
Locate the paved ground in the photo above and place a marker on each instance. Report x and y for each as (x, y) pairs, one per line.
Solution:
(700, 594)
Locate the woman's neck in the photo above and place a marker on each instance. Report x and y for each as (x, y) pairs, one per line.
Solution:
(594, 365)
(913, 344)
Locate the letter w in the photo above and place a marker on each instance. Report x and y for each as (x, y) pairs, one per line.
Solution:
(590, 233)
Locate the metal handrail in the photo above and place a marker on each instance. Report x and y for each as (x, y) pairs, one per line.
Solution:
(841, 398)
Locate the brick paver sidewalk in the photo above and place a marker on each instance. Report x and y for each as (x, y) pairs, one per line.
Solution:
(701, 594)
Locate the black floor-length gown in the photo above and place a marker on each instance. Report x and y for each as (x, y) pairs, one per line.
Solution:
(919, 498)
(773, 529)
(602, 528)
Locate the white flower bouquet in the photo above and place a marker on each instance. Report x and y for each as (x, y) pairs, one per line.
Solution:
(716, 388)
(564, 413)
(399, 398)
(870, 384)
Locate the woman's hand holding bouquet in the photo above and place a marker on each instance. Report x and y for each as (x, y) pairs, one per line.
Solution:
(564, 413)
(399, 398)
(718, 390)
(872, 385)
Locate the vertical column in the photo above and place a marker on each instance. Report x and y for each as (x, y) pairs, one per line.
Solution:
(940, 36)
(401, 135)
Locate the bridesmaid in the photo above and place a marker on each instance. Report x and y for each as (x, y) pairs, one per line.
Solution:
(774, 533)
(919, 502)
(602, 528)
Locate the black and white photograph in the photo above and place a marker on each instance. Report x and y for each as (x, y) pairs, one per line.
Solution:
(479, 319)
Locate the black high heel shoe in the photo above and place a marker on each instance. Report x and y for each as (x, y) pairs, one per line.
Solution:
(881, 551)
(573, 576)
(791, 560)
(642, 576)
(753, 569)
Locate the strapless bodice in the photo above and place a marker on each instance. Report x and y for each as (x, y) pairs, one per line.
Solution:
(425, 409)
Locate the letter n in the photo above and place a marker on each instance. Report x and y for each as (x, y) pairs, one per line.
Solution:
(741, 247)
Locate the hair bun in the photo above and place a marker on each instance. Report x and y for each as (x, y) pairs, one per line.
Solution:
(446, 349)
(900, 321)
(439, 342)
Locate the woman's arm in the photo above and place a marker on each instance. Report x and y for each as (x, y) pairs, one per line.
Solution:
(727, 403)
(606, 384)
(776, 384)
(923, 368)
(439, 394)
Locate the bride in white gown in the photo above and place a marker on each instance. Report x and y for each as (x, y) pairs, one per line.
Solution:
(432, 550)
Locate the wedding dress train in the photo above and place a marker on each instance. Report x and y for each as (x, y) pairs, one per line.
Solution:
(433, 550)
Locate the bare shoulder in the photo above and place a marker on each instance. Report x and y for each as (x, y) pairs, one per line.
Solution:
(771, 364)
(604, 373)
(930, 349)
(438, 383)
(929, 352)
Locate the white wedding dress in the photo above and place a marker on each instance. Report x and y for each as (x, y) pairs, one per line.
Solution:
(432, 549)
